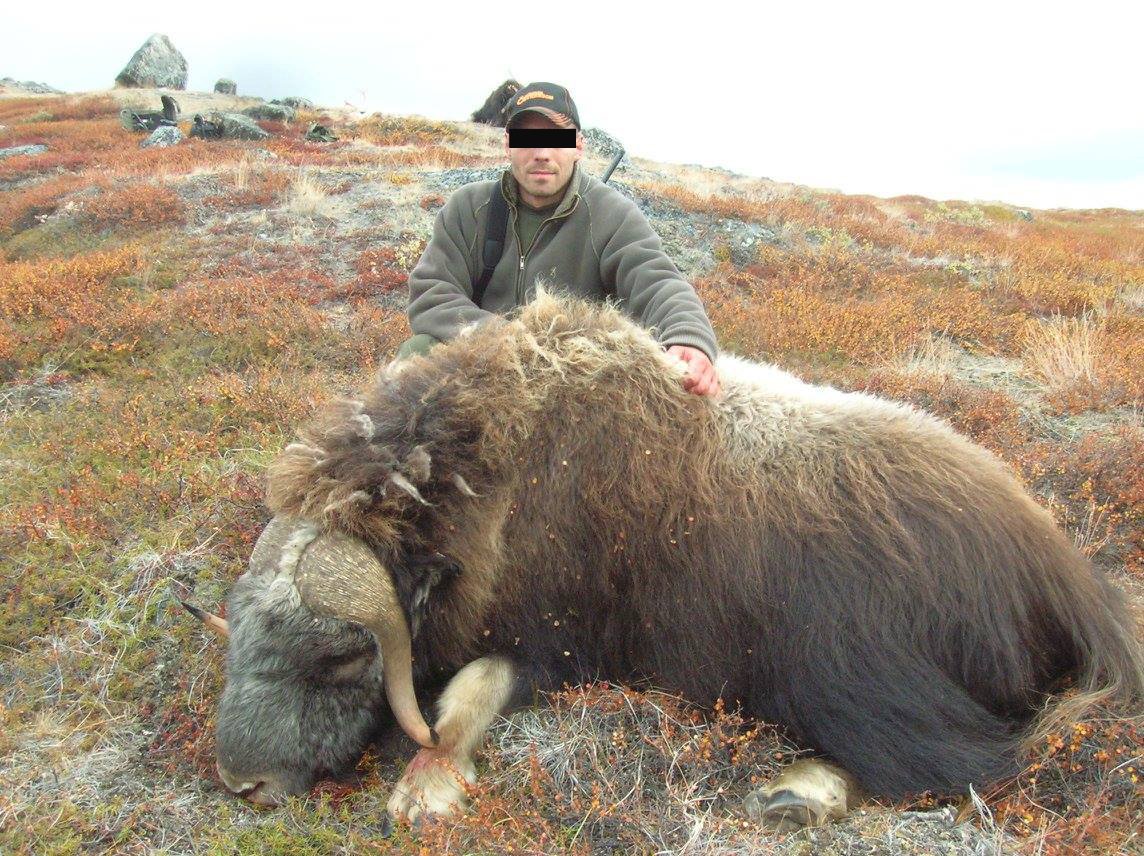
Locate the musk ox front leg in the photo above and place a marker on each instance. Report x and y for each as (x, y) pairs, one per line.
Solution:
(434, 782)
(811, 792)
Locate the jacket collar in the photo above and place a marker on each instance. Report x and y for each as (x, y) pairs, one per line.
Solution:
(511, 189)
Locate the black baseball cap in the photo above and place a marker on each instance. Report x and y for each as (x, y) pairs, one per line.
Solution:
(547, 99)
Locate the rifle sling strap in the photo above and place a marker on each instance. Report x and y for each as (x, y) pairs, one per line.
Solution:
(494, 241)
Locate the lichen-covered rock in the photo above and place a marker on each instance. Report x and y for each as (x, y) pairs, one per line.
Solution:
(296, 103)
(225, 86)
(30, 86)
(34, 149)
(230, 126)
(601, 143)
(162, 137)
(271, 112)
(156, 64)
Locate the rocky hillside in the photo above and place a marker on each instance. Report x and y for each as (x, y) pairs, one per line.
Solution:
(169, 314)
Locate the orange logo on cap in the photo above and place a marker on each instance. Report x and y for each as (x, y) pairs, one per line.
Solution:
(536, 93)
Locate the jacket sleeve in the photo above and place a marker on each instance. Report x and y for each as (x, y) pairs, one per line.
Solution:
(654, 291)
(441, 283)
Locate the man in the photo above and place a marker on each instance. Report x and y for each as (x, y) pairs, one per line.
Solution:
(566, 227)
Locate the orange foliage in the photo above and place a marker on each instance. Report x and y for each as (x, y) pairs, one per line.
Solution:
(261, 311)
(1099, 476)
(60, 108)
(92, 140)
(298, 151)
(1079, 792)
(262, 189)
(823, 304)
(989, 416)
(72, 144)
(135, 207)
(375, 334)
(20, 210)
(378, 271)
(54, 302)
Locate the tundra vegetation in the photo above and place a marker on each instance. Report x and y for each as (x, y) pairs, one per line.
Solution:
(168, 317)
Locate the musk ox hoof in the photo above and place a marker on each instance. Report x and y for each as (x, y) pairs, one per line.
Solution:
(807, 793)
(434, 785)
(785, 811)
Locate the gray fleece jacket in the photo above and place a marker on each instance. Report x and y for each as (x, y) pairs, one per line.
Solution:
(597, 243)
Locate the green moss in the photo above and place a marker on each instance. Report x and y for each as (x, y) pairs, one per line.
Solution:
(956, 212)
(1001, 213)
(168, 264)
(58, 238)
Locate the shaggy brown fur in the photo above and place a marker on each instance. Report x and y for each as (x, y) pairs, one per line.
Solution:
(494, 111)
(846, 566)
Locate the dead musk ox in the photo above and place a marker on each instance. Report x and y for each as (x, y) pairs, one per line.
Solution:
(494, 111)
(540, 502)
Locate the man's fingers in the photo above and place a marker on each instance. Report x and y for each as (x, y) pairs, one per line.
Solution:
(707, 385)
(700, 378)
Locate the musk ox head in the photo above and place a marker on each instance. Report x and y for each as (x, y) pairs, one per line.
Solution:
(310, 626)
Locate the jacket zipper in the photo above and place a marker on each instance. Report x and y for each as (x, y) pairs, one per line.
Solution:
(519, 290)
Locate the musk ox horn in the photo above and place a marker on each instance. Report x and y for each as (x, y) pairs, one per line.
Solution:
(340, 577)
(218, 626)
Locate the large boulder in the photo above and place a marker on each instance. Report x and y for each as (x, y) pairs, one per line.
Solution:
(155, 65)
(271, 112)
(229, 126)
(226, 86)
(602, 143)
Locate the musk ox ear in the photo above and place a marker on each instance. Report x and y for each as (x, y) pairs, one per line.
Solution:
(416, 575)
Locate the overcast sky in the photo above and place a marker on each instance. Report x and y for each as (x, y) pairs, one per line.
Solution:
(1038, 104)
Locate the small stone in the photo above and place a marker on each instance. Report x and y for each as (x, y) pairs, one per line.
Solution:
(163, 137)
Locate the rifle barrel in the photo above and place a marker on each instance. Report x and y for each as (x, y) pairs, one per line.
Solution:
(612, 166)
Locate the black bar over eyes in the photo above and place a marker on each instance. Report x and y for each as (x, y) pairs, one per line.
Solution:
(542, 138)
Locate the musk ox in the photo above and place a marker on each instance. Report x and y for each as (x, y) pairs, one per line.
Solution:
(540, 502)
(494, 111)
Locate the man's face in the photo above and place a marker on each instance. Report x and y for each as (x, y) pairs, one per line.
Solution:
(542, 173)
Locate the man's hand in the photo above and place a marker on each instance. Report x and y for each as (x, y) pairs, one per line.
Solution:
(701, 379)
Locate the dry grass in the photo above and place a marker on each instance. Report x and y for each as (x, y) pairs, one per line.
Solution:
(305, 197)
(934, 355)
(243, 170)
(1062, 352)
